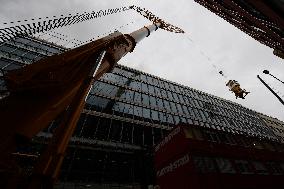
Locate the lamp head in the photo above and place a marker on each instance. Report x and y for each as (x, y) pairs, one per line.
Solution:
(266, 71)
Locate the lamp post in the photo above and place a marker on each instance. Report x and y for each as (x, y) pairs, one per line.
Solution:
(267, 72)
(271, 90)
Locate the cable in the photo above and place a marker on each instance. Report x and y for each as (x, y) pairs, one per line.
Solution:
(104, 34)
(214, 66)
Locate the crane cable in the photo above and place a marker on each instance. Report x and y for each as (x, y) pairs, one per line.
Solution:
(104, 34)
(209, 60)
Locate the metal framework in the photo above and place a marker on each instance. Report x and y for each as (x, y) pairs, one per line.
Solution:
(255, 18)
(50, 24)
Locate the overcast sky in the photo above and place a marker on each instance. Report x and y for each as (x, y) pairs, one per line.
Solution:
(173, 56)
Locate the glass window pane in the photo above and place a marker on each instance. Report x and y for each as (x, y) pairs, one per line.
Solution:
(179, 109)
(98, 103)
(185, 110)
(173, 106)
(170, 119)
(170, 95)
(176, 119)
(163, 117)
(145, 100)
(137, 98)
(146, 113)
(3, 62)
(128, 95)
(153, 101)
(161, 83)
(160, 103)
(175, 97)
(225, 165)
(143, 77)
(151, 89)
(13, 66)
(164, 93)
(144, 87)
(157, 91)
(7, 48)
(118, 107)
(135, 85)
(204, 164)
(154, 115)
(138, 111)
(167, 105)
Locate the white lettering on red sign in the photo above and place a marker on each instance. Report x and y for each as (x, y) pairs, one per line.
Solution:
(167, 138)
(172, 166)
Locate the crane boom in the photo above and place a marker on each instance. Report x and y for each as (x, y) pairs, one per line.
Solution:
(41, 91)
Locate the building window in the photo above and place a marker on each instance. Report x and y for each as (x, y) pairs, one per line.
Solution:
(260, 168)
(173, 107)
(161, 84)
(225, 165)
(143, 77)
(204, 164)
(151, 89)
(164, 93)
(103, 129)
(176, 119)
(153, 101)
(170, 95)
(116, 128)
(243, 167)
(148, 137)
(137, 111)
(154, 115)
(210, 136)
(144, 88)
(96, 103)
(127, 133)
(175, 97)
(163, 117)
(180, 111)
(128, 110)
(145, 100)
(223, 138)
(146, 113)
(170, 119)
(137, 98)
(185, 110)
(157, 91)
(167, 105)
(275, 168)
(138, 135)
(160, 103)
(136, 85)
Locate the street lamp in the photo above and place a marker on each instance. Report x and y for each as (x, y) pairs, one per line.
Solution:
(271, 90)
(267, 72)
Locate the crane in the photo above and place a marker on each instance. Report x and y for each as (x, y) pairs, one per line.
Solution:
(58, 85)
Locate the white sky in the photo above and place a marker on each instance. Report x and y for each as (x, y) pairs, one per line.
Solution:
(172, 56)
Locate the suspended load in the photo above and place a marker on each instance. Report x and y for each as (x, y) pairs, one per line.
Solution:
(235, 88)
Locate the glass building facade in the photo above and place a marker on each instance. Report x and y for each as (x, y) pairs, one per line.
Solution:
(126, 113)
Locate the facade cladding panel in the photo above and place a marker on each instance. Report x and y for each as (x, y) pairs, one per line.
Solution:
(126, 113)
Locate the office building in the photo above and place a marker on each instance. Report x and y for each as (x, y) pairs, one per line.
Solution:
(127, 112)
